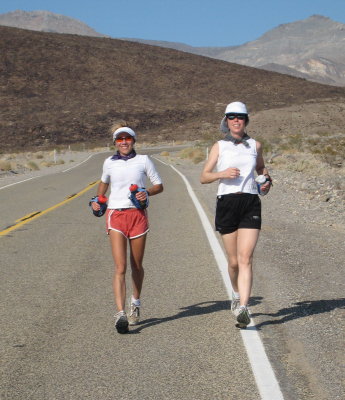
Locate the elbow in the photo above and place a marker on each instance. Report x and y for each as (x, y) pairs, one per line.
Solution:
(160, 188)
(202, 179)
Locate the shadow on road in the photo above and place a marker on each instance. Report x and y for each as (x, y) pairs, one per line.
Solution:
(300, 310)
(203, 308)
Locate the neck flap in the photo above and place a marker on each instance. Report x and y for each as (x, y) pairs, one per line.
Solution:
(243, 140)
(118, 156)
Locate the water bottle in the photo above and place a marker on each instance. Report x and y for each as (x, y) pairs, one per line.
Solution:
(102, 201)
(261, 180)
(134, 190)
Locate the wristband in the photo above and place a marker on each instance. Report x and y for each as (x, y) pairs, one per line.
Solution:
(269, 179)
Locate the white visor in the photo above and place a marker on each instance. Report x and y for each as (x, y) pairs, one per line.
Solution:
(124, 129)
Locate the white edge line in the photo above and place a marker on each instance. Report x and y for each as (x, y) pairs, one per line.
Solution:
(265, 378)
(65, 170)
(82, 162)
(16, 183)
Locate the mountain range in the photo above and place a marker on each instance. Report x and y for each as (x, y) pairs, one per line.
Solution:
(46, 21)
(313, 48)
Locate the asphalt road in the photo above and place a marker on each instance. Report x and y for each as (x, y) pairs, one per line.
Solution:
(57, 337)
(58, 340)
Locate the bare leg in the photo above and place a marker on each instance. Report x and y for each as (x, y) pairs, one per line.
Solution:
(230, 244)
(137, 247)
(246, 242)
(119, 251)
(240, 247)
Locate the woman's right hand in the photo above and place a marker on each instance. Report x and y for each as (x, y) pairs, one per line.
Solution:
(95, 206)
(230, 173)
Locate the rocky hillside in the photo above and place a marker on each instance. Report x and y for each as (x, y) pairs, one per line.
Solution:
(59, 89)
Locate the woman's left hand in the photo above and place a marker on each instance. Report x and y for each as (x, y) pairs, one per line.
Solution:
(141, 196)
(265, 187)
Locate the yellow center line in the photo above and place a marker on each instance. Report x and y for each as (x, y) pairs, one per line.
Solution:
(30, 217)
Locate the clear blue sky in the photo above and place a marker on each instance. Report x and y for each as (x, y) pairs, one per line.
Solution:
(194, 22)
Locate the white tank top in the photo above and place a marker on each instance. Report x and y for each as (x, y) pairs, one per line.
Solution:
(241, 157)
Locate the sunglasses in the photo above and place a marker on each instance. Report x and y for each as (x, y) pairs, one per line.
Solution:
(127, 139)
(238, 116)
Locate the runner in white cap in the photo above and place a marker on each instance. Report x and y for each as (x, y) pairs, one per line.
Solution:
(125, 223)
(238, 212)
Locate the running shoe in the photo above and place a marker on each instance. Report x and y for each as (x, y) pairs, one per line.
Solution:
(121, 322)
(134, 315)
(235, 303)
(242, 317)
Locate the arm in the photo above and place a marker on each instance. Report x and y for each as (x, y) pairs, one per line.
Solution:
(155, 189)
(102, 186)
(260, 163)
(101, 190)
(208, 176)
(157, 186)
(261, 168)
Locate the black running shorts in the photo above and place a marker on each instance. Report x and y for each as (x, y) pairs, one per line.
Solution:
(235, 211)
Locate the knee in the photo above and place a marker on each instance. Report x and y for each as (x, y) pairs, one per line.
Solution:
(233, 264)
(245, 260)
(120, 270)
(137, 267)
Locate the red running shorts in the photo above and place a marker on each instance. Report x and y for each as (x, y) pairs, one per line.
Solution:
(131, 222)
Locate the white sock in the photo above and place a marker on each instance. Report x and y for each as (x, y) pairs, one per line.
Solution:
(236, 295)
(136, 302)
